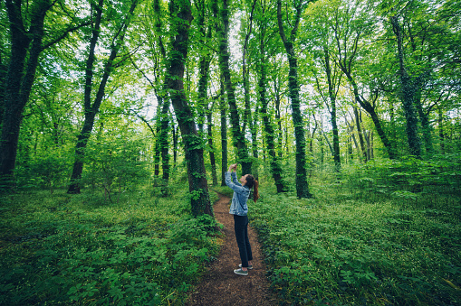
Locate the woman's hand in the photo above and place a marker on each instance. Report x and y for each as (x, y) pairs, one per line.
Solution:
(232, 167)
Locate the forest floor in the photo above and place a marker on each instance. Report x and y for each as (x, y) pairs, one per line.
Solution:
(220, 286)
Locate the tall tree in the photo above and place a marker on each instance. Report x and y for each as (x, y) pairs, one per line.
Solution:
(294, 92)
(408, 93)
(211, 147)
(30, 34)
(277, 92)
(224, 133)
(247, 23)
(426, 44)
(321, 44)
(238, 134)
(360, 133)
(91, 109)
(204, 25)
(180, 17)
(352, 26)
(264, 39)
(205, 56)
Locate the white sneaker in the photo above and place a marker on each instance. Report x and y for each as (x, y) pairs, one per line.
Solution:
(240, 272)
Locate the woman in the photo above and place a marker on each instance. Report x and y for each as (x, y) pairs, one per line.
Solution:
(239, 210)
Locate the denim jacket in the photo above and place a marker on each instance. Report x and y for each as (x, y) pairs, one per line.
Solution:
(240, 196)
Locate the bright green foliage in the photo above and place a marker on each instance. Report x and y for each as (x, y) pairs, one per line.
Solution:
(115, 165)
(365, 240)
(73, 250)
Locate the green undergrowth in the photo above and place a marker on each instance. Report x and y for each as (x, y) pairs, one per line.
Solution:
(353, 244)
(81, 250)
(224, 190)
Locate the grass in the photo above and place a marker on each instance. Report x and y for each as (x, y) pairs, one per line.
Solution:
(354, 245)
(373, 236)
(80, 250)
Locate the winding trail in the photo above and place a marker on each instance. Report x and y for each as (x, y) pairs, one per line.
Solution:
(220, 286)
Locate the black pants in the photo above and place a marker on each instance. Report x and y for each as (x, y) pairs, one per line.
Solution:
(240, 228)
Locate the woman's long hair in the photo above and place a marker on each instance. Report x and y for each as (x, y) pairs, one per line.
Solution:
(252, 182)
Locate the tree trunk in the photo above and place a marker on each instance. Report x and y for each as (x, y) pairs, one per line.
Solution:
(25, 52)
(92, 110)
(335, 136)
(211, 150)
(360, 134)
(367, 136)
(204, 74)
(424, 122)
(372, 145)
(408, 93)
(300, 155)
(238, 135)
(278, 116)
(441, 130)
(224, 134)
(369, 108)
(248, 112)
(333, 109)
(350, 149)
(245, 74)
(3, 73)
(26, 47)
(275, 166)
(164, 145)
(175, 144)
(204, 71)
(193, 144)
(157, 147)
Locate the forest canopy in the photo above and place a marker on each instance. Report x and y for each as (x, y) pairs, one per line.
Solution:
(106, 93)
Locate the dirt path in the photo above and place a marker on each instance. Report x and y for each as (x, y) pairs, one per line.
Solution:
(220, 285)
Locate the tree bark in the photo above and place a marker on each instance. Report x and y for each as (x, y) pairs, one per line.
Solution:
(278, 115)
(248, 112)
(360, 134)
(193, 144)
(408, 92)
(3, 73)
(204, 75)
(300, 142)
(333, 117)
(26, 46)
(213, 163)
(424, 121)
(164, 145)
(276, 169)
(238, 134)
(441, 130)
(333, 82)
(175, 144)
(224, 133)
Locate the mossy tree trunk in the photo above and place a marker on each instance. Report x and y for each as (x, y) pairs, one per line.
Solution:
(408, 94)
(193, 144)
(238, 134)
(213, 163)
(301, 182)
(224, 133)
(274, 160)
